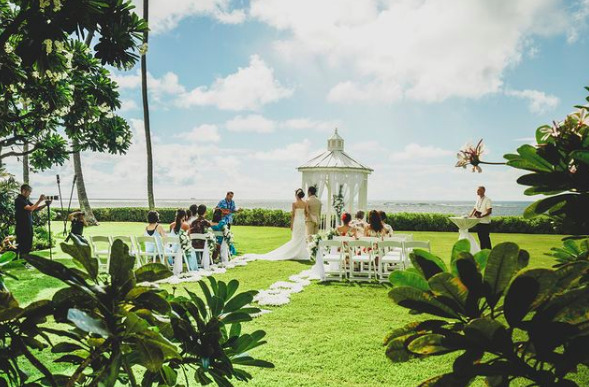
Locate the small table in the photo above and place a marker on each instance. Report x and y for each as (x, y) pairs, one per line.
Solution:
(463, 225)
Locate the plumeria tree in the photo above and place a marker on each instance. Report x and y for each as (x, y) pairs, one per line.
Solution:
(557, 166)
(52, 88)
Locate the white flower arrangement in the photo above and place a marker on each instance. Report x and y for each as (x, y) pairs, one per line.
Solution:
(211, 241)
(314, 244)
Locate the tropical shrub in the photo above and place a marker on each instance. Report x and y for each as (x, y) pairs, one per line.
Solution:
(507, 323)
(571, 251)
(117, 327)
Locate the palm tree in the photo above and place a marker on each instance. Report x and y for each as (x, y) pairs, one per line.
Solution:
(150, 197)
(80, 185)
(25, 164)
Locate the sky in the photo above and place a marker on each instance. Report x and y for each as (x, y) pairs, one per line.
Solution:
(243, 92)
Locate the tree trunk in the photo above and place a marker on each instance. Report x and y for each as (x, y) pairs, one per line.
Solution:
(81, 188)
(25, 165)
(150, 197)
(80, 185)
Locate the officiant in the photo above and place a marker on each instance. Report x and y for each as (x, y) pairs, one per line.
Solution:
(228, 208)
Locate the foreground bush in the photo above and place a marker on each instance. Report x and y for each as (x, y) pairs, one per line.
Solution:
(279, 218)
(116, 327)
(506, 323)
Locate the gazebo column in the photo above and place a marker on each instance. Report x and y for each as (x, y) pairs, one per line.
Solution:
(363, 194)
(329, 206)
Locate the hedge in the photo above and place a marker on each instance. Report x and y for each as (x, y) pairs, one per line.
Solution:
(279, 218)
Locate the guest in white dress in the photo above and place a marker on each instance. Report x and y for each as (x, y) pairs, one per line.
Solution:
(359, 224)
(154, 229)
(345, 229)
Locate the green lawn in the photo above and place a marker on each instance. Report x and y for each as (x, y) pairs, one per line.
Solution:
(330, 334)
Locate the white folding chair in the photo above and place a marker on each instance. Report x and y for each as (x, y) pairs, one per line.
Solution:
(224, 249)
(174, 256)
(205, 257)
(333, 256)
(100, 247)
(408, 247)
(361, 259)
(405, 237)
(343, 238)
(148, 249)
(391, 257)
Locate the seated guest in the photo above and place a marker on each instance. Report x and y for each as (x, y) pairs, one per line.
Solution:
(193, 213)
(189, 216)
(375, 227)
(345, 229)
(383, 217)
(199, 226)
(359, 224)
(217, 224)
(154, 229)
(180, 223)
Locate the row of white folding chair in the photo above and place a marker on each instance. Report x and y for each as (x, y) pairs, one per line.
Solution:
(366, 257)
(143, 248)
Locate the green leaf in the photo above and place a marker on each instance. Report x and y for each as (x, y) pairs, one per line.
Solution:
(446, 285)
(528, 289)
(501, 266)
(238, 302)
(152, 357)
(237, 317)
(169, 376)
(421, 301)
(407, 278)
(581, 155)
(65, 347)
(152, 272)
(430, 344)
(481, 259)
(462, 246)
(427, 263)
(232, 287)
(446, 380)
(121, 267)
(249, 361)
(82, 255)
(87, 323)
(530, 160)
(488, 334)
(541, 206)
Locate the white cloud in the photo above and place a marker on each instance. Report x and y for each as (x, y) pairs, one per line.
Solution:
(415, 152)
(539, 102)
(251, 123)
(422, 50)
(298, 151)
(205, 133)
(247, 89)
(306, 123)
(128, 105)
(259, 124)
(164, 16)
(158, 88)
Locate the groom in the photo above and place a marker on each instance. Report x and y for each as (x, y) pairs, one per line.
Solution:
(314, 215)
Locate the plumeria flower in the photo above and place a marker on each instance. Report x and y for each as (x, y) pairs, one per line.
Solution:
(550, 131)
(143, 49)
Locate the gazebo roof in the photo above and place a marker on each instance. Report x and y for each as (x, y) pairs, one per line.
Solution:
(334, 158)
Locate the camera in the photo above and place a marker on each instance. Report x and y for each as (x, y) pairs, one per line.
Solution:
(50, 198)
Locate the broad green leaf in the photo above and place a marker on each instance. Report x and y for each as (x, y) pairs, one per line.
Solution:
(151, 355)
(581, 155)
(427, 263)
(569, 274)
(121, 267)
(410, 328)
(541, 206)
(571, 307)
(238, 302)
(407, 278)
(527, 290)
(421, 301)
(232, 287)
(462, 246)
(396, 350)
(87, 323)
(501, 266)
(530, 154)
(488, 334)
(446, 285)
(236, 317)
(446, 380)
(249, 361)
(65, 347)
(169, 375)
(152, 272)
(430, 344)
(82, 255)
(481, 259)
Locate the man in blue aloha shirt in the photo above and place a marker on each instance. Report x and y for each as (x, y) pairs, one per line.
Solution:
(227, 207)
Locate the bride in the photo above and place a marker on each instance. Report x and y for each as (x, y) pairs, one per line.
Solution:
(296, 248)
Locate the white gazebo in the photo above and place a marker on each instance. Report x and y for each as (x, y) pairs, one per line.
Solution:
(335, 172)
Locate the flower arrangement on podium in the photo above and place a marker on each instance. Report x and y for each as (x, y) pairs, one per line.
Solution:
(211, 241)
(315, 239)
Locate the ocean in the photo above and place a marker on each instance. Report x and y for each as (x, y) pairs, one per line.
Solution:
(500, 208)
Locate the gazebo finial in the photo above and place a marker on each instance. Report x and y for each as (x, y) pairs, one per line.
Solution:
(335, 142)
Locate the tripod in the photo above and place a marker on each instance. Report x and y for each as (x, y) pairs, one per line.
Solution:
(69, 206)
(48, 204)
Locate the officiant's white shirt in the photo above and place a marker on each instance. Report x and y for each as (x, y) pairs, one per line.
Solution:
(483, 205)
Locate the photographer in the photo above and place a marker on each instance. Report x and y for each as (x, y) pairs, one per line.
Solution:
(24, 218)
(78, 222)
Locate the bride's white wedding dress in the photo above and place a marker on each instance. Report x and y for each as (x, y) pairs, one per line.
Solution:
(295, 249)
